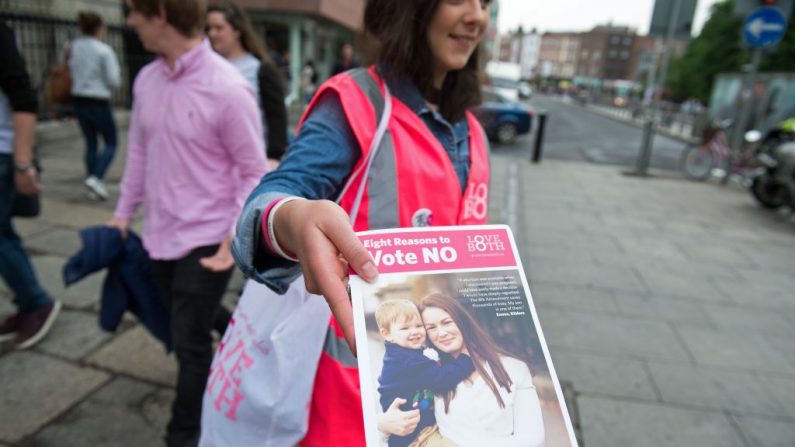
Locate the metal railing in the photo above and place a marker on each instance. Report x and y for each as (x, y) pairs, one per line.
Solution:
(43, 40)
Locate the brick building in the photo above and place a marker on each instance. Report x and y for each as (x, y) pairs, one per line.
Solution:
(606, 52)
(558, 54)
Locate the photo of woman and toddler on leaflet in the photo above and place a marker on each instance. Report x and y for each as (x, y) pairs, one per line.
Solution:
(446, 372)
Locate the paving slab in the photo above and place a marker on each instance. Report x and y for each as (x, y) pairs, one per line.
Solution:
(56, 241)
(651, 246)
(111, 417)
(137, 353)
(586, 274)
(36, 388)
(717, 252)
(743, 351)
(693, 285)
(756, 292)
(83, 294)
(662, 308)
(604, 375)
(74, 335)
(783, 386)
(732, 391)
(762, 432)
(582, 299)
(617, 336)
(611, 423)
(750, 319)
(75, 214)
(26, 228)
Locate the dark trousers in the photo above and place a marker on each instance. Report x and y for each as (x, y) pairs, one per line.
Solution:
(96, 118)
(193, 294)
(15, 266)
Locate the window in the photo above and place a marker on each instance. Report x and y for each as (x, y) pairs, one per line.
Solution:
(612, 54)
(627, 41)
(625, 55)
(614, 40)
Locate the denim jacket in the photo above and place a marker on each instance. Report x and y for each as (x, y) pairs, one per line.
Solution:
(316, 165)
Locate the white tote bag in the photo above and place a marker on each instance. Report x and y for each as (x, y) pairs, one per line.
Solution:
(262, 374)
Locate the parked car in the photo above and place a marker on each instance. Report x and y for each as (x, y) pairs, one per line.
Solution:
(503, 119)
(525, 91)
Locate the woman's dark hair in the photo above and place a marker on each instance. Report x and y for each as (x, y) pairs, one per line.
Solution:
(89, 22)
(238, 19)
(480, 346)
(396, 31)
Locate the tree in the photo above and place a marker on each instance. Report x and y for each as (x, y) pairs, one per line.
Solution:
(782, 58)
(716, 50)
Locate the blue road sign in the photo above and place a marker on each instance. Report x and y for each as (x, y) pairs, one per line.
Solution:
(764, 27)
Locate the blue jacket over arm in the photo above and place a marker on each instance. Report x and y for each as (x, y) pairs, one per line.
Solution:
(129, 284)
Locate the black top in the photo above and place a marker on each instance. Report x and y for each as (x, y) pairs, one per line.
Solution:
(271, 92)
(14, 79)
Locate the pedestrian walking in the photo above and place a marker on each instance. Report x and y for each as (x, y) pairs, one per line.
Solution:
(430, 168)
(36, 311)
(308, 81)
(95, 73)
(346, 62)
(233, 37)
(195, 151)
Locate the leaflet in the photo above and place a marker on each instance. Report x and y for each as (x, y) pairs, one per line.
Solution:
(450, 350)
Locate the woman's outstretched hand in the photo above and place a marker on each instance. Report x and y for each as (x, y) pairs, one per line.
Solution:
(319, 234)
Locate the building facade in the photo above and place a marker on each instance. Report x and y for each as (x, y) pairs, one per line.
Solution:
(522, 48)
(306, 30)
(298, 30)
(607, 52)
(648, 55)
(558, 54)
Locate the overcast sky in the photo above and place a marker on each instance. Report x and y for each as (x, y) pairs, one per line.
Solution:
(582, 15)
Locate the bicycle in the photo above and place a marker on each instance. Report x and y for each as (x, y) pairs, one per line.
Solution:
(698, 162)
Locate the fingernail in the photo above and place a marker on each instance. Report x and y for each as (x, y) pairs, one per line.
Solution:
(368, 271)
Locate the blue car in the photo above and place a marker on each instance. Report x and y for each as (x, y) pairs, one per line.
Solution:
(503, 119)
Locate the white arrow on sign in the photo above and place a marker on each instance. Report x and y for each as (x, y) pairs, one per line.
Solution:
(759, 26)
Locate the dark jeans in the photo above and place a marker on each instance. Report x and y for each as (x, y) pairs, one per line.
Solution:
(96, 117)
(15, 266)
(194, 297)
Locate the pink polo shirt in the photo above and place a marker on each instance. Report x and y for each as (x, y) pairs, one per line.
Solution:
(194, 152)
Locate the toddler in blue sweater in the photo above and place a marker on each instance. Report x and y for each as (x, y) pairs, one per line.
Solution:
(410, 370)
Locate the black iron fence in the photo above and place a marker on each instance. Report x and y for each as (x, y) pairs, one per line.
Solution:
(43, 42)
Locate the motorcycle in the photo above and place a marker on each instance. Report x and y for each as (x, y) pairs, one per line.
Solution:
(784, 132)
(774, 186)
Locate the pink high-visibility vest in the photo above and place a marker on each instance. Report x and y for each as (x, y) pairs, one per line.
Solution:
(411, 183)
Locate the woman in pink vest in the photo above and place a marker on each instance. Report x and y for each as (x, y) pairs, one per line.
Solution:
(429, 168)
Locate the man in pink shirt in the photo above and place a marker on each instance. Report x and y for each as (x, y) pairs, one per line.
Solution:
(194, 152)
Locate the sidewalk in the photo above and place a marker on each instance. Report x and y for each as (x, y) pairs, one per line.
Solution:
(668, 307)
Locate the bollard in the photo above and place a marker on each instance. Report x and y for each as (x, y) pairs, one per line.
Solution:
(542, 121)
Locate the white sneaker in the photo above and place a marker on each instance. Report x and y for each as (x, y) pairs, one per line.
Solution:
(96, 186)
